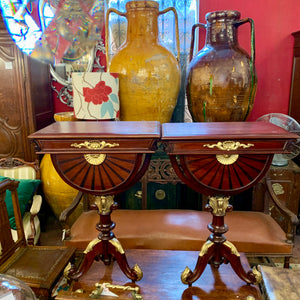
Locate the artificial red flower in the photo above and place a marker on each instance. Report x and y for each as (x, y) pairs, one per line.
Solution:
(98, 94)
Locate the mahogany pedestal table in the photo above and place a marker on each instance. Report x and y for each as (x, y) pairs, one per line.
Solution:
(102, 159)
(219, 160)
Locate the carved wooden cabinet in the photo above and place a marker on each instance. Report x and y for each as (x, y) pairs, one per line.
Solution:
(160, 188)
(25, 98)
(286, 185)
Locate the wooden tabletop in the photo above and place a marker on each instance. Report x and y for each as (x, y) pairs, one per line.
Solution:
(96, 129)
(161, 280)
(214, 137)
(224, 130)
(125, 136)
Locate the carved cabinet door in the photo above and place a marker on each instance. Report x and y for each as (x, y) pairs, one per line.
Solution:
(25, 99)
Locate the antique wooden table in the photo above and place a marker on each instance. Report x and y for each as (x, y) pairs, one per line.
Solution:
(103, 159)
(220, 160)
(161, 280)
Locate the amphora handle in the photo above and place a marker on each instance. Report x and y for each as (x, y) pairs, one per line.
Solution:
(252, 40)
(176, 28)
(252, 59)
(110, 10)
(237, 23)
(200, 25)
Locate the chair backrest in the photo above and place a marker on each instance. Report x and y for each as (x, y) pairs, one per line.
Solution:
(8, 245)
(19, 169)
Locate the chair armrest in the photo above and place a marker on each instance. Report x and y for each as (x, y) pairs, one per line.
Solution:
(64, 216)
(290, 219)
(34, 210)
(36, 204)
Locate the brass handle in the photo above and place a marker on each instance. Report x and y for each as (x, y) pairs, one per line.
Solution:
(95, 145)
(228, 145)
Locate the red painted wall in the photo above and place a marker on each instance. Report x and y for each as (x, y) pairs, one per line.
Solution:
(274, 21)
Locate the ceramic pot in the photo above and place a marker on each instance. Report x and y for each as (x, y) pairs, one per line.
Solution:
(221, 78)
(58, 194)
(149, 74)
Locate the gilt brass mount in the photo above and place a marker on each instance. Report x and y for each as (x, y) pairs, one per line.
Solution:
(227, 159)
(228, 145)
(95, 145)
(96, 158)
(104, 203)
(219, 205)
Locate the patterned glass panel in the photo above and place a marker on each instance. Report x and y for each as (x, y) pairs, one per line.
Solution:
(54, 30)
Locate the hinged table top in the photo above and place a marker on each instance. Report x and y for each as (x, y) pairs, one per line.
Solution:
(224, 130)
(202, 138)
(72, 137)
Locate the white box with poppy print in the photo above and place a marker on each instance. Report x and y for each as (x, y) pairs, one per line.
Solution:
(96, 95)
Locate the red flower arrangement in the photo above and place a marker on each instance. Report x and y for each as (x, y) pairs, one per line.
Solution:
(98, 94)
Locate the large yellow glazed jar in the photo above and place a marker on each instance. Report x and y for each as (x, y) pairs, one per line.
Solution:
(149, 74)
(58, 194)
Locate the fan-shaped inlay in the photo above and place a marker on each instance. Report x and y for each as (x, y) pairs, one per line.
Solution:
(115, 169)
(210, 172)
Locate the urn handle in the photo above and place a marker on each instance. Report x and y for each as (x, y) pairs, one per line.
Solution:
(252, 40)
(252, 59)
(109, 11)
(176, 28)
(200, 25)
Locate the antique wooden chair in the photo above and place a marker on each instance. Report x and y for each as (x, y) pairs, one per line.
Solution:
(29, 175)
(38, 266)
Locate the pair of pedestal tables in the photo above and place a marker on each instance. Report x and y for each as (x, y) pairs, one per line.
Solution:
(216, 159)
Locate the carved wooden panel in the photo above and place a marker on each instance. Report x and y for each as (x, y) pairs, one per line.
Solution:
(10, 138)
(25, 99)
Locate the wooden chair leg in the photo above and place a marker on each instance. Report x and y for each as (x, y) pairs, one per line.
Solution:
(286, 264)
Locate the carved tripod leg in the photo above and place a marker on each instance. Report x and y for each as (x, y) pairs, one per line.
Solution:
(96, 249)
(217, 249)
(115, 248)
(206, 253)
(106, 245)
(230, 253)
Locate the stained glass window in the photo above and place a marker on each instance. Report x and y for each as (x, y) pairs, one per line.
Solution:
(54, 30)
(22, 26)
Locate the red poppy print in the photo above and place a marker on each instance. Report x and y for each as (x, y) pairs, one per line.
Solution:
(115, 75)
(98, 94)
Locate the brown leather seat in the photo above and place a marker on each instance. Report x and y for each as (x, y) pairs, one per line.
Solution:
(250, 232)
